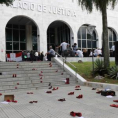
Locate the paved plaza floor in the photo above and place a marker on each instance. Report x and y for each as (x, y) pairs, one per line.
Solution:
(92, 105)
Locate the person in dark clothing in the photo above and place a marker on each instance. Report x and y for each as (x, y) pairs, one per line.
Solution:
(23, 53)
(31, 55)
(42, 55)
(39, 56)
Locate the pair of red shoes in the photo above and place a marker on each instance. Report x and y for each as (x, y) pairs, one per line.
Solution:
(77, 86)
(62, 100)
(12, 101)
(71, 93)
(33, 101)
(49, 92)
(55, 88)
(72, 113)
(0, 94)
(14, 75)
(29, 92)
(80, 96)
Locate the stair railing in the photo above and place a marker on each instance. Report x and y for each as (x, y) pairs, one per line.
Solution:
(65, 61)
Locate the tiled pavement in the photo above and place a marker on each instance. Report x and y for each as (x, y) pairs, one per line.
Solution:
(92, 105)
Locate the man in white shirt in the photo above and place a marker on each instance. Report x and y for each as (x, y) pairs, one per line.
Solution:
(64, 46)
(113, 50)
(79, 53)
(36, 55)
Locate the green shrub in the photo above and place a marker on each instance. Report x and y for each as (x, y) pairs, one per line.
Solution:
(113, 72)
(99, 67)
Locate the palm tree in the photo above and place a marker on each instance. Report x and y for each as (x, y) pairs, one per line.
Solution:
(101, 5)
(7, 2)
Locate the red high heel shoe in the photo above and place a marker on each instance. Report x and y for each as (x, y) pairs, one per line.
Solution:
(71, 93)
(72, 113)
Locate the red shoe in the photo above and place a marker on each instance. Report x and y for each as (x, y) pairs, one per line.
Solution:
(78, 114)
(28, 93)
(61, 73)
(17, 83)
(49, 92)
(57, 88)
(77, 86)
(71, 93)
(114, 105)
(80, 96)
(31, 92)
(41, 71)
(31, 102)
(40, 75)
(62, 100)
(54, 89)
(16, 88)
(8, 100)
(14, 101)
(0, 94)
(115, 100)
(41, 81)
(15, 75)
(72, 113)
(41, 78)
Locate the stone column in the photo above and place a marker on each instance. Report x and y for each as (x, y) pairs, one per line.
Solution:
(29, 37)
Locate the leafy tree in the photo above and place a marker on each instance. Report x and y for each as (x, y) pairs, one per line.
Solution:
(101, 5)
(7, 2)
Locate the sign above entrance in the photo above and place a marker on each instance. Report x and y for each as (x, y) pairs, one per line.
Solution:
(43, 8)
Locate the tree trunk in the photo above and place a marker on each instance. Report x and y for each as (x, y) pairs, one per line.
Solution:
(105, 37)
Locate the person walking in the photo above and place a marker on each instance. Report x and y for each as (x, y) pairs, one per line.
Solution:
(64, 46)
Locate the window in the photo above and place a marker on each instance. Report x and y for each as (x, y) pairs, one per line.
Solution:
(84, 39)
(112, 37)
(34, 38)
(15, 38)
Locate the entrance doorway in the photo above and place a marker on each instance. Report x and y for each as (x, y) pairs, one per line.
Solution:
(21, 34)
(58, 32)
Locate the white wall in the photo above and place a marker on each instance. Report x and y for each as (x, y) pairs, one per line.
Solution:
(43, 19)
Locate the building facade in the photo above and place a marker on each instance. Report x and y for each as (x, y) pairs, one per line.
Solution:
(35, 25)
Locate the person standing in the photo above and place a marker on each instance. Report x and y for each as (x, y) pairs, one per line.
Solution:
(42, 55)
(113, 50)
(64, 46)
(36, 55)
